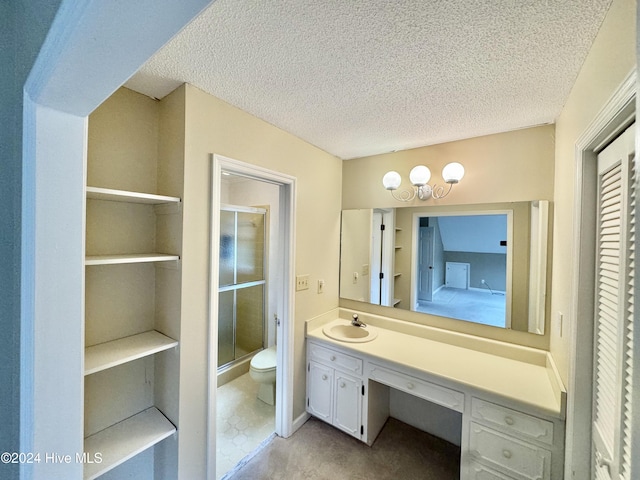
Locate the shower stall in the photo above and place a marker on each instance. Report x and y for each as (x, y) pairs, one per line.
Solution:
(242, 290)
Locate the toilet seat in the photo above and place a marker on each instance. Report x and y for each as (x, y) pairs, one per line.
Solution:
(265, 360)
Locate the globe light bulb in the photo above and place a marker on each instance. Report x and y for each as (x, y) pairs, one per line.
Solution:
(453, 172)
(391, 180)
(419, 175)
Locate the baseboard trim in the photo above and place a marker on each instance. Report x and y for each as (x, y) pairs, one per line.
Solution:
(298, 422)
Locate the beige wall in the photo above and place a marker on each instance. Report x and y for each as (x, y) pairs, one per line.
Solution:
(506, 167)
(356, 252)
(123, 143)
(610, 60)
(213, 126)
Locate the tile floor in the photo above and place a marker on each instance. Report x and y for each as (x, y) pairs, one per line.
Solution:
(243, 423)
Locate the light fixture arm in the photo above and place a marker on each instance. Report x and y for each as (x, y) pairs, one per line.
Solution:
(438, 191)
(404, 195)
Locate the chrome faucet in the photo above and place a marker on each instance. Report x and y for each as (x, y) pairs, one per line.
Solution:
(356, 321)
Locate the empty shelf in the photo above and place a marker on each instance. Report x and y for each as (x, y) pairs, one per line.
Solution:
(98, 193)
(110, 354)
(124, 440)
(135, 258)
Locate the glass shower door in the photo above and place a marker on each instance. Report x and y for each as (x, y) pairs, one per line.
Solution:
(241, 311)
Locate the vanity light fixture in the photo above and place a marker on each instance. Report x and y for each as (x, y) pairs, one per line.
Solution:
(419, 176)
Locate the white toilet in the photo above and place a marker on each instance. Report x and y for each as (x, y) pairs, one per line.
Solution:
(263, 371)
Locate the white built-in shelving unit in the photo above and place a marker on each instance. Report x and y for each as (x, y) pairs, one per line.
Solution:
(133, 289)
(396, 275)
(136, 431)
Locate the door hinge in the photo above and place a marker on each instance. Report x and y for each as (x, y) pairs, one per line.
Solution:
(362, 389)
(309, 367)
(382, 227)
(381, 275)
(361, 429)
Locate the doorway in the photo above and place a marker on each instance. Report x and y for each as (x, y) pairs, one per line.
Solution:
(260, 203)
(613, 320)
(612, 120)
(425, 263)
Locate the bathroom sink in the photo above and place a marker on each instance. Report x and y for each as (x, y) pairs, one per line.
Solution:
(345, 332)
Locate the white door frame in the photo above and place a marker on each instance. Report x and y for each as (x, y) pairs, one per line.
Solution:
(615, 116)
(286, 254)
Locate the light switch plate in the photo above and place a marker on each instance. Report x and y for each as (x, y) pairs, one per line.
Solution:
(302, 282)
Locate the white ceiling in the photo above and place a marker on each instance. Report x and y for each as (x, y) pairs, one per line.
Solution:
(362, 77)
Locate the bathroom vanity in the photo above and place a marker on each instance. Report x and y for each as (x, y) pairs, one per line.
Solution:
(510, 398)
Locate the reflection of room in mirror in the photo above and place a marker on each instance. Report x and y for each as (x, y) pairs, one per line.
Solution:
(513, 276)
(461, 267)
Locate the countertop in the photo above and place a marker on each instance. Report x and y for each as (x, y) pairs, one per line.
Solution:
(520, 381)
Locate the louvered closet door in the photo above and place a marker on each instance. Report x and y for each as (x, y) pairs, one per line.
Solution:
(613, 347)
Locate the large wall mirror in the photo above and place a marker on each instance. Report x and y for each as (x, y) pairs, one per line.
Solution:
(485, 264)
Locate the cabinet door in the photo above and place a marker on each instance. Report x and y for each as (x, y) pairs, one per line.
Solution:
(320, 391)
(348, 400)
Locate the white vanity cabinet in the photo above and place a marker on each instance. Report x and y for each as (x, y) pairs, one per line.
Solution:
(505, 443)
(334, 388)
(511, 407)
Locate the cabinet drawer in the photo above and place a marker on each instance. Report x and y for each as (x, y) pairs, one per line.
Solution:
(334, 358)
(513, 421)
(420, 388)
(508, 453)
(478, 471)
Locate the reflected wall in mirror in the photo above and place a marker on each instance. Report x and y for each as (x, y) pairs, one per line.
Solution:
(485, 264)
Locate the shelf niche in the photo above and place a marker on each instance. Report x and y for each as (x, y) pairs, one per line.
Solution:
(116, 444)
(132, 308)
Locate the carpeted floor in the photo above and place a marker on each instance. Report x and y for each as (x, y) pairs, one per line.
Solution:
(478, 306)
(318, 451)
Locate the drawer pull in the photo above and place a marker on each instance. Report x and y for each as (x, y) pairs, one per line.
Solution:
(324, 377)
(333, 358)
(506, 453)
(342, 385)
(509, 421)
(410, 386)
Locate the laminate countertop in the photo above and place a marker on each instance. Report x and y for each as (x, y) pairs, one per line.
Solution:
(533, 382)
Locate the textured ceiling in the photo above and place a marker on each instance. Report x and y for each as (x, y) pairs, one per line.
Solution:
(361, 77)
